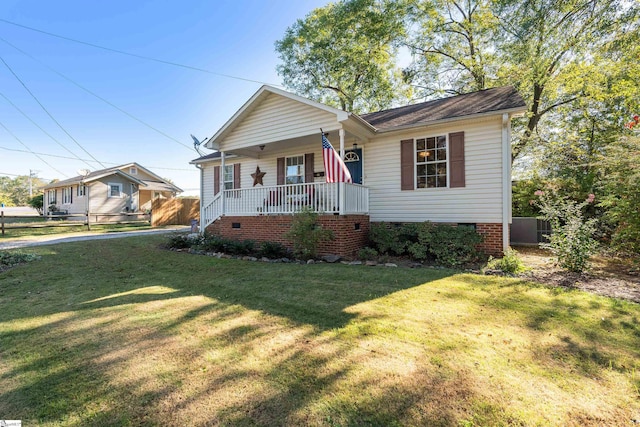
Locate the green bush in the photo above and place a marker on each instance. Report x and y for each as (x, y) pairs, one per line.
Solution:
(367, 254)
(306, 234)
(393, 240)
(37, 203)
(510, 263)
(449, 245)
(273, 250)
(444, 244)
(181, 241)
(244, 247)
(13, 258)
(571, 241)
(212, 243)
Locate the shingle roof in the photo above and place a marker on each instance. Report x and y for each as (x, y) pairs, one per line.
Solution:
(166, 186)
(484, 101)
(497, 99)
(90, 176)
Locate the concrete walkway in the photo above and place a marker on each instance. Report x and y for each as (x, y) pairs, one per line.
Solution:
(54, 239)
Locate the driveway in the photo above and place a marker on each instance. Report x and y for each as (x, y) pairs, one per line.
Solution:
(54, 239)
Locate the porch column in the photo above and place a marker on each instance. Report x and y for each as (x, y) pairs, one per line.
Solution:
(506, 180)
(341, 189)
(222, 160)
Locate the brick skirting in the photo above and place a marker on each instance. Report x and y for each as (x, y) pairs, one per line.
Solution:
(351, 232)
(492, 234)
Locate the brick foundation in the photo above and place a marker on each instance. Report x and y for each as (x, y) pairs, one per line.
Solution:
(351, 232)
(492, 234)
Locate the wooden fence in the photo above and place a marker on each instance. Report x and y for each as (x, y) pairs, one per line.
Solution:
(174, 211)
(10, 222)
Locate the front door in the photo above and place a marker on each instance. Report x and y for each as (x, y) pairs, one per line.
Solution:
(353, 161)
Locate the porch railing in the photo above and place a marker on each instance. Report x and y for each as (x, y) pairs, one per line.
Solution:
(211, 211)
(287, 199)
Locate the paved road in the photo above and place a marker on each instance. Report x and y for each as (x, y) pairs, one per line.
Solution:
(53, 239)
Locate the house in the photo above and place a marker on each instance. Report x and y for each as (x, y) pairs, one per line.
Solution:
(118, 190)
(447, 160)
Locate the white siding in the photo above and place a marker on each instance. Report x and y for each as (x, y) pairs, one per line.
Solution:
(479, 201)
(278, 118)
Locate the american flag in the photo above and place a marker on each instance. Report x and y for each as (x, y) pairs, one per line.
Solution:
(334, 168)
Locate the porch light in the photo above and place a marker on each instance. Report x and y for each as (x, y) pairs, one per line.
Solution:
(355, 146)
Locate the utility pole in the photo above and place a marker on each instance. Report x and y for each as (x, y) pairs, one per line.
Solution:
(32, 174)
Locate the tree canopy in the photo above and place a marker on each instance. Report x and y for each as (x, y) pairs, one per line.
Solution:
(575, 63)
(344, 55)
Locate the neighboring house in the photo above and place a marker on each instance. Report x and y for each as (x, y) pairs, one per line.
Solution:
(447, 160)
(121, 189)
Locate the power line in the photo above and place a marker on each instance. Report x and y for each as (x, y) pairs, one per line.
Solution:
(38, 126)
(96, 95)
(27, 147)
(147, 58)
(47, 111)
(74, 158)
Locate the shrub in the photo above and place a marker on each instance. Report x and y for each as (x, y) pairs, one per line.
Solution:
(510, 263)
(13, 258)
(450, 246)
(212, 243)
(37, 203)
(445, 244)
(367, 254)
(306, 234)
(393, 240)
(571, 241)
(245, 247)
(273, 250)
(181, 241)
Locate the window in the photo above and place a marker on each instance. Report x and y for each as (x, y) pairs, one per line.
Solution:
(228, 177)
(67, 193)
(82, 190)
(133, 170)
(294, 170)
(431, 162)
(51, 196)
(115, 190)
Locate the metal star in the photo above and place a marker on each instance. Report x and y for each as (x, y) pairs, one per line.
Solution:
(257, 176)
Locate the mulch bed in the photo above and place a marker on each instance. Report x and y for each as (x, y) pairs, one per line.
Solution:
(608, 276)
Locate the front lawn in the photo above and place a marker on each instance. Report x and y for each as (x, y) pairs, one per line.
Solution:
(122, 332)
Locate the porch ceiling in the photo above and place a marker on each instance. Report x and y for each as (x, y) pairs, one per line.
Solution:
(255, 151)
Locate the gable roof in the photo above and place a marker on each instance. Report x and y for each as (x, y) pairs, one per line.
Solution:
(500, 99)
(497, 100)
(265, 91)
(117, 170)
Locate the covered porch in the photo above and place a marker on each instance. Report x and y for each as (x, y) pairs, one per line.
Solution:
(324, 198)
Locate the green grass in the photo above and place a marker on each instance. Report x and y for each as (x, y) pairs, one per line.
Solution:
(122, 332)
(68, 228)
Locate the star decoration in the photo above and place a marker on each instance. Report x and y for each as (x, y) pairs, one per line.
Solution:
(257, 176)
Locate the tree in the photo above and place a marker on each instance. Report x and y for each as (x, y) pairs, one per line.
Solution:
(37, 202)
(453, 45)
(343, 55)
(621, 188)
(15, 191)
(551, 51)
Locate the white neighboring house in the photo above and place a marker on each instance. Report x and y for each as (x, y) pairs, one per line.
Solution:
(123, 189)
(447, 160)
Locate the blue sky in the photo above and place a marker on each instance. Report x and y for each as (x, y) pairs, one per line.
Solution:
(228, 37)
